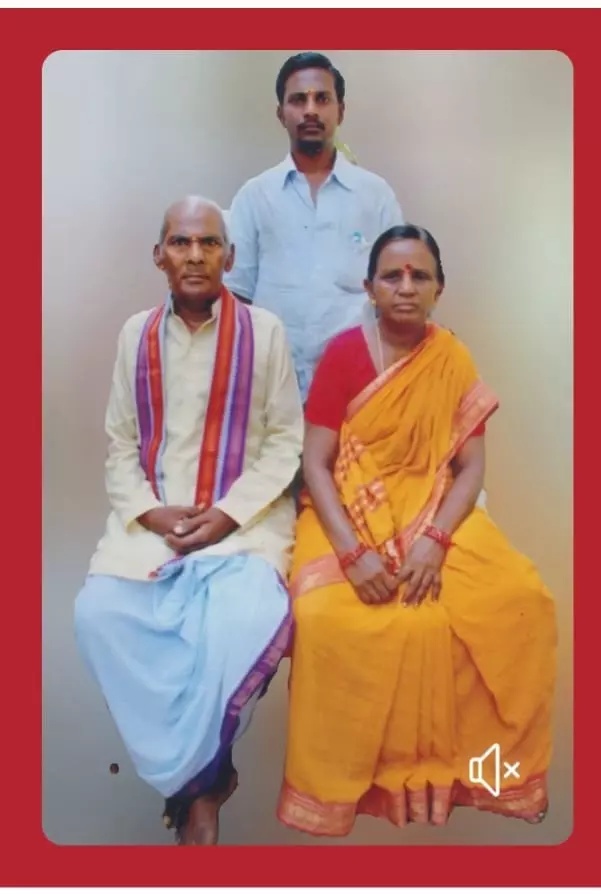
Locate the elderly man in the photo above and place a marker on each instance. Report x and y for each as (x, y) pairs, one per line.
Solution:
(184, 616)
(303, 229)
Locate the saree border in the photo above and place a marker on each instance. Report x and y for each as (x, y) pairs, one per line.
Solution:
(432, 805)
(384, 378)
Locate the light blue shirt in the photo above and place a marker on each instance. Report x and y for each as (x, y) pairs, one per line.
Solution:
(306, 261)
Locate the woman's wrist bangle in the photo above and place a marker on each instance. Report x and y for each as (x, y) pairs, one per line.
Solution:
(349, 558)
(441, 537)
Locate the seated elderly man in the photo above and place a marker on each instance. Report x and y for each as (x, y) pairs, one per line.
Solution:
(184, 615)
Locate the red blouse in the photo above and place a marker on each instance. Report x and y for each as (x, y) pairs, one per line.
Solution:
(345, 369)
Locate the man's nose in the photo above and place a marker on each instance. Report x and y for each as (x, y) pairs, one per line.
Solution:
(311, 107)
(195, 253)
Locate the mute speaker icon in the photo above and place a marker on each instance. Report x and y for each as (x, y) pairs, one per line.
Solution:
(491, 781)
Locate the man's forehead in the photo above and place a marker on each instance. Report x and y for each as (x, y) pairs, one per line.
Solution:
(310, 79)
(200, 222)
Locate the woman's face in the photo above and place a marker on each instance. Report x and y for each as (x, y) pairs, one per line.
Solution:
(405, 287)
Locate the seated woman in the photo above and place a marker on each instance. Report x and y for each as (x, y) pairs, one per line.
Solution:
(423, 637)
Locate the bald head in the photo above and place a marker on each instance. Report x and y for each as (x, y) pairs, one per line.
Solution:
(194, 251)
(192, 207)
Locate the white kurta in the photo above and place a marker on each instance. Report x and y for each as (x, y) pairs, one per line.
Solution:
(273, 447)
(181, 660)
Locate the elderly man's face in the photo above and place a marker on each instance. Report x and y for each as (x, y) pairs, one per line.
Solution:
(194, 254)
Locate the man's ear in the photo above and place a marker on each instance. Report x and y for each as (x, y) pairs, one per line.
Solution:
(229, 261)
(157, 256)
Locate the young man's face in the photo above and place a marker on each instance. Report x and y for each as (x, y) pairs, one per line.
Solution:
(310, 111)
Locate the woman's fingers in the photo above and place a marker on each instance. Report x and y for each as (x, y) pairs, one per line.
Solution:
(412, 586)
(424, 587)
(436, 587)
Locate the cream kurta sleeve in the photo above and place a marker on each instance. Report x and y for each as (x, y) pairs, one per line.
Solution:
(128, 489)
(267, 477)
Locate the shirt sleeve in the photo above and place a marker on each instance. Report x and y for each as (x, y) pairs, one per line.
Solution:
(391, 214)
(279, 460)
(129, 491)
(328, 397)
(243, 232)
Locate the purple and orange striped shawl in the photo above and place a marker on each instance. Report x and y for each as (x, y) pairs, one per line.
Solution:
(221, 455)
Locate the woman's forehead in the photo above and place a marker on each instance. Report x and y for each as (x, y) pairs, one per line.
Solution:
(407, 253)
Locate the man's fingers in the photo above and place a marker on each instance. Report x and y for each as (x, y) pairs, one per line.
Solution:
(198, 537)
(187, 525)
(189, 521)
(191, 511)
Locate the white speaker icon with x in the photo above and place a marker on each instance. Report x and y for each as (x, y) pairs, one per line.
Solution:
(491, 780)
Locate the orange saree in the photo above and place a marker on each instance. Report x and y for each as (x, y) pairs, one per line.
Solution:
(388, 704)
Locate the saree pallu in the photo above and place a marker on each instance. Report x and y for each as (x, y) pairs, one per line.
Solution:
(388, 704)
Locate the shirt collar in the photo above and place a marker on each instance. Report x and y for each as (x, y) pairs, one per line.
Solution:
(343, 171)
(215, 311)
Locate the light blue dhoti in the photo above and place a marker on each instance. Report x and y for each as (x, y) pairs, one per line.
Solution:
(182, 659)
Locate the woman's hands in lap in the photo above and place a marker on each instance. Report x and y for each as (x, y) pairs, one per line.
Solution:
(419, 575)
(421, 571)
(372, 582)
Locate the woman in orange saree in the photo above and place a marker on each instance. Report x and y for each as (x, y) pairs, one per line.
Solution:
(423, 637)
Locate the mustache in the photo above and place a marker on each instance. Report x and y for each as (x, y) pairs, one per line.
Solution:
(310, 124)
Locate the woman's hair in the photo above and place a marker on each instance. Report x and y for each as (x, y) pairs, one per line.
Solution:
(405, 231)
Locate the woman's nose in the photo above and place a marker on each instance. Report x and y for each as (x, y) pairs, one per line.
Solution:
(407, 284)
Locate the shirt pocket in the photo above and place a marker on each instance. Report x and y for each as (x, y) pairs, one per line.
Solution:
(351, 266)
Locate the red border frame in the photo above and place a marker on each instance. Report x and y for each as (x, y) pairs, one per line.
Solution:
(28, 36)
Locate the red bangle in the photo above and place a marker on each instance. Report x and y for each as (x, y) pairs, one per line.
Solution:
(441, 537)
(348, 559)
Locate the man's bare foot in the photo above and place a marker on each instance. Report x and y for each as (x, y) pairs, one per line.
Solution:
(202, 825)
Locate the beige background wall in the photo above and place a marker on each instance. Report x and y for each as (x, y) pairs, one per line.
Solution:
(478, 147)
